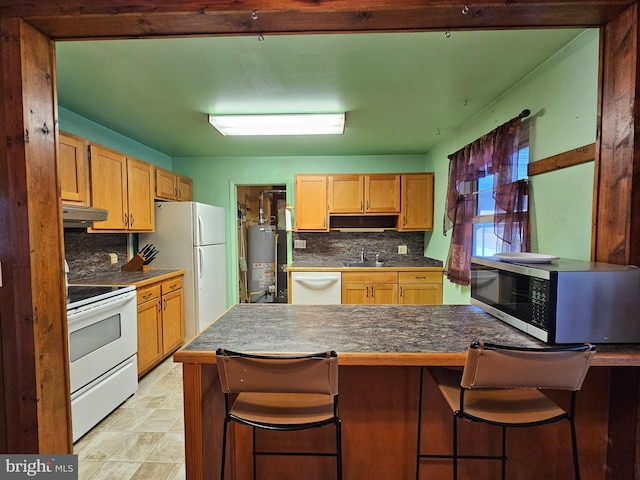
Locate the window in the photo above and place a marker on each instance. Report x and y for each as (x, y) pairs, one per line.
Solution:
(485, 241)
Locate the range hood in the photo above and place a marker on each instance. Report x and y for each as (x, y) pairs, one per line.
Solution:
(77, 216)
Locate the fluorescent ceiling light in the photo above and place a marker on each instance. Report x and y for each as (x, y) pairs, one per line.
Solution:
(280, 124)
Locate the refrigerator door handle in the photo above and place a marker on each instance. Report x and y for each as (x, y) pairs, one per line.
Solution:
(201, 262)
(200, 231)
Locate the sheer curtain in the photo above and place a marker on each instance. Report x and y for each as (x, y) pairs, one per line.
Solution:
(495, 153)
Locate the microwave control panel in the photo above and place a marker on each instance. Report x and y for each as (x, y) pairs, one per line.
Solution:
(540, 303)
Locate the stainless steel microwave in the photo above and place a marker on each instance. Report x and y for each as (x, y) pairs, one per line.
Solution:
(564, 301)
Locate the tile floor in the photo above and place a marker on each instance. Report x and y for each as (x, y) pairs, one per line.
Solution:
(143, 439)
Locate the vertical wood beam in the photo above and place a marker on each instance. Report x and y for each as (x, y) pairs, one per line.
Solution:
(617, 169)
(35, 416)
(616, 223)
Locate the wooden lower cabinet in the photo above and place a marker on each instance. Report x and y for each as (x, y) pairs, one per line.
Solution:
(420, 288)
(369, 288)
(160, 322)
(415, 287)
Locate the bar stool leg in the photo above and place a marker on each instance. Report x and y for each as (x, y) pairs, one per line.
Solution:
(419, 423)
(224, 448)
(455, 446)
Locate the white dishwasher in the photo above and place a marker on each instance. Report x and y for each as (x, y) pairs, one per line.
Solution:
(316, 288)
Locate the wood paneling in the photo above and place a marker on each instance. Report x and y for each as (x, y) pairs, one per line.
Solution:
(36, 406)
(116, 18)
(563, 160)
(617, 194)
(378, 407)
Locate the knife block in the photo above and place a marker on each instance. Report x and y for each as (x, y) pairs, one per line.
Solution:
(135, 264)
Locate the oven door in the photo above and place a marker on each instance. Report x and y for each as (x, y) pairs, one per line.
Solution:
(101, 335)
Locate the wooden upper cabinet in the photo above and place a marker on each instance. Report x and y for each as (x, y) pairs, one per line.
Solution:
(140, 189)
(346, 193)
(185, 188)
(166, 187)
(417, 202)
(358, 194)
(109, 187)
(311, 203)
(73, 169)
(382, 193)
(123, 186)
(171, 186)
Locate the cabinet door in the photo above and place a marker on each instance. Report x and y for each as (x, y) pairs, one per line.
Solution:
(311, 203)
(420, 287)
(140, 188)
(165, 184)
(355, 293)
(346, 194)
(420, 294)
(383, 293)
(72, 171)
(149, 334)
(172, 321)
(417, 202)
(382, 193)
(109, 187)
(185, 189)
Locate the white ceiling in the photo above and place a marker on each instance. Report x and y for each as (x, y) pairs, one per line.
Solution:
(403, 92)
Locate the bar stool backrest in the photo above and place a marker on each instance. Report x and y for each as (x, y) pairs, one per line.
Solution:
(308, 373)
(496, 366)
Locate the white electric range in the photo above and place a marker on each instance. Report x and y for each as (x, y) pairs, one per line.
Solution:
(103, 341)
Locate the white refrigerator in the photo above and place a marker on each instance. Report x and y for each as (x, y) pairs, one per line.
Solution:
(191, 236)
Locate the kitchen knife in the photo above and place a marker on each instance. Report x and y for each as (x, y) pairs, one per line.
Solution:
(150, 258)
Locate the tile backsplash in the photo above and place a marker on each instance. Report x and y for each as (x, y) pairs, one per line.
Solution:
(346, 246)
(88, 253)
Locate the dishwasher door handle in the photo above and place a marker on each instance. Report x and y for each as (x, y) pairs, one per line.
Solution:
(316, 279)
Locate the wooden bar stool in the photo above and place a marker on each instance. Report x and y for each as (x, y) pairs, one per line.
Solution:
(500, 385)
(282, 393)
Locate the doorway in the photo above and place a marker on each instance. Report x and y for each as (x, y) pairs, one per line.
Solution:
(262, 243)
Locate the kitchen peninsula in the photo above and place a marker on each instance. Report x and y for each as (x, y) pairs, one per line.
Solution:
(381, 350)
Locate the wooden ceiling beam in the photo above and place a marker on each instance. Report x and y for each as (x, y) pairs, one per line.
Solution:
(60, 19)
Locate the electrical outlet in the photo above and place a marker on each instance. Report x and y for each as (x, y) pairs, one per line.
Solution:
(299, 244)
(113, 258)
(402, 249)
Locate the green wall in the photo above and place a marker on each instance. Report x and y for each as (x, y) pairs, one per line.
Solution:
(85, 128)
(562, 97)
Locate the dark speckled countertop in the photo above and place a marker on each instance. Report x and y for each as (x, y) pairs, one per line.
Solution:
(365, 334)
(138, 278)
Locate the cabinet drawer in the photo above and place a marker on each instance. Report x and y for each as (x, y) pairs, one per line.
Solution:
(148, 293)
(419, 277)
(369, 277)
(171, 285)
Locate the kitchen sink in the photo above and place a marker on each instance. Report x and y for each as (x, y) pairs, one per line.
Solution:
(364, 263)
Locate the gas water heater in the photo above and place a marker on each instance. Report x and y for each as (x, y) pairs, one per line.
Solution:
(261, 263)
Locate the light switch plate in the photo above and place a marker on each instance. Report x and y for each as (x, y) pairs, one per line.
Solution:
(402, 249)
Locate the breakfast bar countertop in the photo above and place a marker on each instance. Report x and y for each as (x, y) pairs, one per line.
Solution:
(369, 334)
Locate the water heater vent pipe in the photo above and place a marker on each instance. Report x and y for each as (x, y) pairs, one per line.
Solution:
(261, 219)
